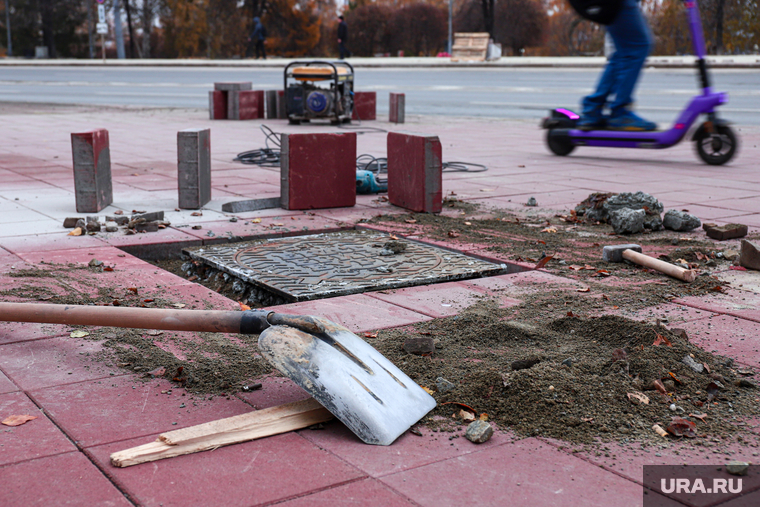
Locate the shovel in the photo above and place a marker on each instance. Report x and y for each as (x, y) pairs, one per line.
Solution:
(357, 384)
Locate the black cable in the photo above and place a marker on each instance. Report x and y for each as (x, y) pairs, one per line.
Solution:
(264, 157)
(467, 167)
(358, 127)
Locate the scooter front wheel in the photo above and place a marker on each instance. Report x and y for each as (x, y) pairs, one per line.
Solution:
(559, 145)
(716, 145)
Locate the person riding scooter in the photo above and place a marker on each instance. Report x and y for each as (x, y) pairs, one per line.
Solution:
(633, 43)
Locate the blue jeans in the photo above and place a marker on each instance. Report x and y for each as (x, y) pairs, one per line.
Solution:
(633, 42)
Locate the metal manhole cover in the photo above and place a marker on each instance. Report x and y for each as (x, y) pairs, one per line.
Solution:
(325, 265)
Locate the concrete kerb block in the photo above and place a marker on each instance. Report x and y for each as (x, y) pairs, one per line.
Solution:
(415, 172)
(282, 113)
(245, 104)
(365, 106)
(317, 171)
(217, 105)
(270, 110)
(91, 156)
(397, 103)
(194, 167)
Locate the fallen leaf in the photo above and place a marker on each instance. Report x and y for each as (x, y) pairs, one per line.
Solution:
(277, 225)
(108, 268)
(682, 427)
(132, 289)
(18, 420)
(120, 212)
(468, 223)
(603, 273)
(179, 305)
(589, 267)
(76, 232)
(466, 415)
(570, 314)
(79, 334)
(549, 229)
(453, 234)
(154, 332)
(643, 398)
(587, 289)
(429, 391)
(158, 372)
(244, 307)
(738, 268)
(701, 417)
(657, 384)
(587, 419)
(658, 429)
(256, 221)
(660, 340)
(605, 297)
(673, 375)
(540, 264)
(149, 300)
(574, 267)
(411, 221)
(370, 335)
(393, 236)
(196, 214)
(483, 417)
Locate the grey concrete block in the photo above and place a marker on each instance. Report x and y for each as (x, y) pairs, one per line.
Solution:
(194, 167)
(627, 221)
(91, 155)
(397, 108)
(271, 104)
(233, 86)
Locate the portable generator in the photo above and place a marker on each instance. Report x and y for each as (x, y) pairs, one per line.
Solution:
(319, 90)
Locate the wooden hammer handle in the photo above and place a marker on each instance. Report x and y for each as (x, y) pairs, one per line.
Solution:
(213, 321)
(687, 275)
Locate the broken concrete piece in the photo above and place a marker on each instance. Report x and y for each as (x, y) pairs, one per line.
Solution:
(479, 432)
(627, 221)
(680, 221)
(71, 222)
(737, 467)
(155, 216)
(532, 202)
(443, 386)
(146, 227)
(112, 227)
(750, 255)
(420, 346)
(726, 231)
(635, 201)
(691, 363)
(92, 225)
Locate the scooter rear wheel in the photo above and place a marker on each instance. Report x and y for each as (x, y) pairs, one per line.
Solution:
(559, 147)
(716, 147)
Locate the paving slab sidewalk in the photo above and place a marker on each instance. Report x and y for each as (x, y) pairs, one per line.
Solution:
(86, 410)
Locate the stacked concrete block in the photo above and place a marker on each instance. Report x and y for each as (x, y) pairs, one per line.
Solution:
(365, 106)
(397, 108)
(194, 167)
(415, 173)
(318, 171)
(245, 104)
(270, 97)
(92, 170)
(282, 113)
(217, 105)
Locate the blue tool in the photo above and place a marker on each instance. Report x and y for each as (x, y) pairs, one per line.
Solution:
(367, 183)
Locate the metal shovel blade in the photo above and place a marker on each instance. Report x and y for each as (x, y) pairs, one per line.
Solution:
(365, 391)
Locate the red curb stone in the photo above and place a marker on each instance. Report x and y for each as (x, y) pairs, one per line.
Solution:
(6, 386)
(406, 453)
(102, 411)
(440, 300)
(364, 106)
(53, 241)
(252, 473)
(66, 479)
(355, 493)
(318, 171)
(527, 472)
(414, 172)
(92, 170)
(727, 335)
(217, 105)
(51, 362)
(34, 439)
(358, 312)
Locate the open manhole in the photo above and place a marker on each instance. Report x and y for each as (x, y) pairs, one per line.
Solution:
(302, 268)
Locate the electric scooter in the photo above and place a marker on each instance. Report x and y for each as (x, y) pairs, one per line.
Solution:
(715, 141)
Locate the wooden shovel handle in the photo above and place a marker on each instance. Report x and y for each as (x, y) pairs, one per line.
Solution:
(687, 275)
(213, 321)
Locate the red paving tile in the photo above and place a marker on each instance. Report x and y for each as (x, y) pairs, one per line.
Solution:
(357, 313)
(363, 492)
(53, 241)
(33, 439)
(51, 362)
(66, 479)
(440, 300)
(118, 408)
(274, 391)
(526, 472)
(670, 314)
(12, 332)
(727, 335)
(6, 385)
(407, 453)
(253, 473)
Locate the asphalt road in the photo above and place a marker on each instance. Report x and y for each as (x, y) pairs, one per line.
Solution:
(523, 93)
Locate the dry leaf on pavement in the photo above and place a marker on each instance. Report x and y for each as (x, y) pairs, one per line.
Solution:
(18, 420)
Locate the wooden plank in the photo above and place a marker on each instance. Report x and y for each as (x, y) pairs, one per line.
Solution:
(232, 430)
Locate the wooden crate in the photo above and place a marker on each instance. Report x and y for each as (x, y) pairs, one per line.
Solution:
(470, 47)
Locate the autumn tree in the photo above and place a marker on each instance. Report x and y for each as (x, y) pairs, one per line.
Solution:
(293, 26)
(518, 23)
(418, 29)
(369, 29)
(52, 23)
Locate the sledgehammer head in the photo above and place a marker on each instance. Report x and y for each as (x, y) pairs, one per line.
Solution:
(614, 253)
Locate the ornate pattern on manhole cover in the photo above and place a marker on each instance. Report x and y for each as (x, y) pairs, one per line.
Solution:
(335, 264)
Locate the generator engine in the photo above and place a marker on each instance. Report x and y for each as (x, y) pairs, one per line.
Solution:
(318, 90)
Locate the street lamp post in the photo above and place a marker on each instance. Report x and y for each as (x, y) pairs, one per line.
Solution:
(451, 9)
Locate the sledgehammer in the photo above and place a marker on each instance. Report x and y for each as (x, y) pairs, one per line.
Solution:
(619, 253)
